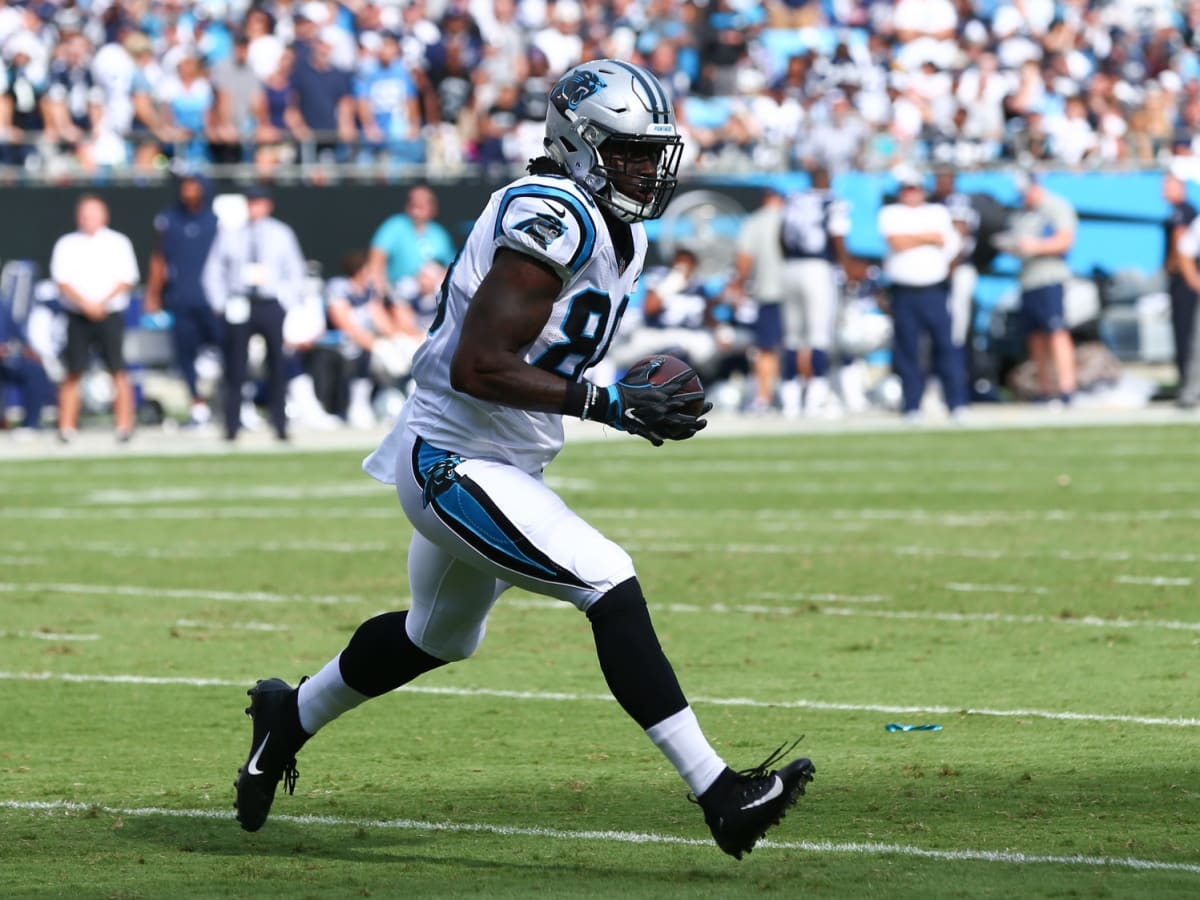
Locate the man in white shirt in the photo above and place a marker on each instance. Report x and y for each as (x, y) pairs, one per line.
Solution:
(94, 268)
(921, 242)
(253, 276)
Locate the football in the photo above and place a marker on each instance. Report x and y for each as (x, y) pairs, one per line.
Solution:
(663, 368)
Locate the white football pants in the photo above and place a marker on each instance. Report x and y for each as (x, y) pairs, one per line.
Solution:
(481, 527)
(809, 303)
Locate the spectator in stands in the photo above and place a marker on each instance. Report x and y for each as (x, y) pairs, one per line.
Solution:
(495, 147)
(21, 114)
(389, 105)
(321, 104)
(264, 48)
(450, 106)
(560, 40)
(1042, 235)
(95, 269)
(149, 132)
(277, 121)
(758, 279)
(1183, 296)
(236, 90)
(183, 236)
(185, 102)
(921, 242)
(253, 275)
(405, 241)
(73, 105)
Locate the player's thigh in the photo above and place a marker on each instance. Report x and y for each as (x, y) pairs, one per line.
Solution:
(509, 525)
(820, 303)
(792, 307)
(451, 600)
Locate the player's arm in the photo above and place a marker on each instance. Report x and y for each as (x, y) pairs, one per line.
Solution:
(506, 315)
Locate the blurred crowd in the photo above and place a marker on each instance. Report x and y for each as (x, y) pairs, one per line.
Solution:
(94, 86)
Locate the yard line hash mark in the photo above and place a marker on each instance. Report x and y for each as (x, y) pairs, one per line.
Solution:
(130, 590)
(629, 837)
(607, 698)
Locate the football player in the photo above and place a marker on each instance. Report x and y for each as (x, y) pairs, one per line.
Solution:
(813, 239)
(529, 305)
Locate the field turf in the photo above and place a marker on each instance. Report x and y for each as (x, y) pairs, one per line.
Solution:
(1034, 593)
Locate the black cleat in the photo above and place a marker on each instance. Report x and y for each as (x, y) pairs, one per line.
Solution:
(277, 737)
(740, 807)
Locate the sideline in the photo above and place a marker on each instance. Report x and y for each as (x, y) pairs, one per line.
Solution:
(98, 442)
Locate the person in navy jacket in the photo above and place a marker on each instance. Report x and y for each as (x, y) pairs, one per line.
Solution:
(183, 236)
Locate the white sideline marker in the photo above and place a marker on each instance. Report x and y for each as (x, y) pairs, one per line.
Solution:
(630, 837)
(607, 698)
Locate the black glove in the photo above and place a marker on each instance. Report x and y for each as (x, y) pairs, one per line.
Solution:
(652, 411)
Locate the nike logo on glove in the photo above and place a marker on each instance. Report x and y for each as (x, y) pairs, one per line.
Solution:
(253, 768)
(775, 791)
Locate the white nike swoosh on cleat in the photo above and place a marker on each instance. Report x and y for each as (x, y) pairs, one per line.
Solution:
(770, 795)
(252, 766)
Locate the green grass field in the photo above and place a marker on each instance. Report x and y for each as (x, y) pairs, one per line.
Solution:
(1035, 593)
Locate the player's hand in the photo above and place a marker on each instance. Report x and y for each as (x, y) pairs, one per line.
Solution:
(652, 411)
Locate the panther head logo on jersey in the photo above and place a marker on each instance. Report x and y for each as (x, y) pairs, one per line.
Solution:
(572, 91)
(543, 228)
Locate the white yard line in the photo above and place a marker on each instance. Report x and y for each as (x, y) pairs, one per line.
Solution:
(1153, 580)
(129, 590)
(820, 597)
(854, 848)
(849, 612)
(186, 513)
(967, 588)
(568, 697)
(233, 626)
(49, 635)
(21, 560)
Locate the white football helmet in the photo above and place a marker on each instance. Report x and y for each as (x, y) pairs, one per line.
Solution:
(611, 125)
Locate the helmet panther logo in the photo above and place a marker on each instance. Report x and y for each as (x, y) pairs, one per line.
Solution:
(573, 91)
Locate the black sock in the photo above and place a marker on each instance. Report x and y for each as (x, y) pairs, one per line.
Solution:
(381, 656)
(634, 665)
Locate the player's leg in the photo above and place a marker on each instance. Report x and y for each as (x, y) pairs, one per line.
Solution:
(510, 525)
(820, 304)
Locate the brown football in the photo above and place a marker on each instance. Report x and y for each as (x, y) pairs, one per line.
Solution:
(663, 368)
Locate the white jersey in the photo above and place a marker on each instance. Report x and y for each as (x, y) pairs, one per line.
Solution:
(555, 221)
